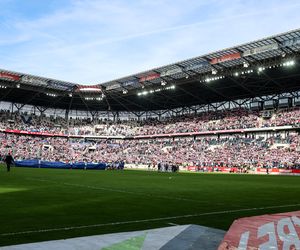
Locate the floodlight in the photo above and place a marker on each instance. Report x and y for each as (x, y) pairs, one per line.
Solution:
(260, 69)
(246, 64)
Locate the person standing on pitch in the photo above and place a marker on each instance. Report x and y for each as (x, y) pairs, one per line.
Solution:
(9, 160)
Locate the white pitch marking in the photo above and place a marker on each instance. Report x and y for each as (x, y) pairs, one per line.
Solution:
(148, 220)
(120, 191)
(173, 224)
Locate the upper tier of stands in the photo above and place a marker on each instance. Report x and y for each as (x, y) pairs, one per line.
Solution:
(210, 121)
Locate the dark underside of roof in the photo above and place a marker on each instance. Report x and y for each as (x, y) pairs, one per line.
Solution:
(188, 92)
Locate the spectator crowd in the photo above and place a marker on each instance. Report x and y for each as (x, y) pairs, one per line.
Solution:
(278, 150)
(209, 121)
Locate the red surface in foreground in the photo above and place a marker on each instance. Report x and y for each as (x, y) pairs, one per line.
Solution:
(276, 231)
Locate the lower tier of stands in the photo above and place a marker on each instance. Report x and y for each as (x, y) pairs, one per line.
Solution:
(272, 150)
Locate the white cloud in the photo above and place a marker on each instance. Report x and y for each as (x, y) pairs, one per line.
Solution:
(96, 41)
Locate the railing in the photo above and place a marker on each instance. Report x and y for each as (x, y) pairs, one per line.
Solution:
(186, 134)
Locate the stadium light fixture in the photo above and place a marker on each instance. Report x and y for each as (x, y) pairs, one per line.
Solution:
(163, 83)
(170, 87)
(18, 85)
(125, 91)
(245, 64)
(214, 71)
(260, 69)
(246, 72)
(214, 78)
(93, 98)
(289, 63)
(146, 92)
(89, 89)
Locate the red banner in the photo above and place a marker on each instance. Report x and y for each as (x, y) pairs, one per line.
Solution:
(23, 132)
(9, 76)
(226, 169)
(149, 77)
(226, 58)
(90, 88)
(275, 231)
(277, 171)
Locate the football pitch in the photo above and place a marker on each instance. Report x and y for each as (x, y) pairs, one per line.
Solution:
(47, 204)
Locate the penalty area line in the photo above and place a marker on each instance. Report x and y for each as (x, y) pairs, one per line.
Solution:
(147, 220)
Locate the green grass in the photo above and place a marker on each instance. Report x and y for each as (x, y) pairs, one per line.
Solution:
(34, 199)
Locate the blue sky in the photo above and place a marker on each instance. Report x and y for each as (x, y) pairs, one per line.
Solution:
(93, 41)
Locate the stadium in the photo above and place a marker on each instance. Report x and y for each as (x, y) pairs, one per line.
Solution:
(184, 150)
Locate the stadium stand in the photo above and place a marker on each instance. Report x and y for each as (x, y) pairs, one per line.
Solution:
(236, 108)
(280, 150)
(212, 121)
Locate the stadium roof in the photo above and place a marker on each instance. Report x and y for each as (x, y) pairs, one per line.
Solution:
(262, 67)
